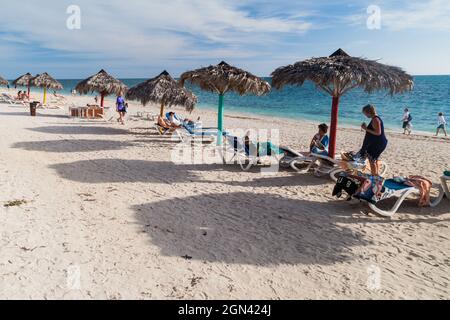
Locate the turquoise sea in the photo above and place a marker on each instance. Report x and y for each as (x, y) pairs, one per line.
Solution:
(430, 96)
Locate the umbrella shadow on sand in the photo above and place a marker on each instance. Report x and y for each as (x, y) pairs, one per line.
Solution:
(164, 172)
(249, 228)
(72, 145)
(27, 114)
(80, 129)
(124, 170)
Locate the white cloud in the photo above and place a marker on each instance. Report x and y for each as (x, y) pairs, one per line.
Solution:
(412, 15)
(145, 30)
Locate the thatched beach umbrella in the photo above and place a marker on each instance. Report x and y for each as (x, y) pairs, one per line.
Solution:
(340, 73)
(24, 81)
(3, 82)
(47, 82)
(103, 83)
(223, 78)
(163, 90)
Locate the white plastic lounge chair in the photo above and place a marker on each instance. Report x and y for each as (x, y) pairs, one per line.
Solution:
(393, 189)
(323, 165)
(147, 115)
(12, 101)
(199, 134)
(445, 180)
(403, 194)
(245, 160)
(248, 159)
(167, 132)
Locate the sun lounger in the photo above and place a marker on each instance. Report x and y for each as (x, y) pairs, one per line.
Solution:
(391, 189)
(323, 165)
(250, 158)
(147, 115)
(445, 179)
(168, 132)
(13, 101)
(195, 133)
(186, 132)
(401, 192)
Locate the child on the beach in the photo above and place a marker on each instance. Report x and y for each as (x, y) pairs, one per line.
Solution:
(407, 118)
(442, 123)
(319, 143)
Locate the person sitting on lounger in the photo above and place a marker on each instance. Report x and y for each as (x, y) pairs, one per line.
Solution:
(166, 125)
(19, 95)
(174, 122)
(319, 143)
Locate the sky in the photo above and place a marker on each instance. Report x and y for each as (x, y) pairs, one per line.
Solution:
(141, 38)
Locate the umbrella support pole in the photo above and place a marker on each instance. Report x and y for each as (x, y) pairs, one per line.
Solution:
(161, 112)
(334, 125)
(45, 95)
(220, 121)
(102, 100)
(28, 91)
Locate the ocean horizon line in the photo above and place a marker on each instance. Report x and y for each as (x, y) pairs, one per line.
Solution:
(177, 77)
(429, 97)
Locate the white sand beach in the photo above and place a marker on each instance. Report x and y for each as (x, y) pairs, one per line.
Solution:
(105, 202)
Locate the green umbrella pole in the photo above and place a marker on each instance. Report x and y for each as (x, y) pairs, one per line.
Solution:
(220, 122)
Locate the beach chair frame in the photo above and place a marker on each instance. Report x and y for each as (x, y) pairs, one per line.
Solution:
(445, 187)
(246, 161)
(402, 196)
(166, 132)
(12, 101)
(327, 166)
(147, 115)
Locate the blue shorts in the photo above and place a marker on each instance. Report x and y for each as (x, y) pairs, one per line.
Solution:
(319, 152)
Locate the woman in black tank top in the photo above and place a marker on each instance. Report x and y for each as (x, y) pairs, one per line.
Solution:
(375, 142)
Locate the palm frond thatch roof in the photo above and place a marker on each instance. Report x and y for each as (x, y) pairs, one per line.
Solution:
(164, 90)
(223, 78)
(46, 81)
(103, 83)
(3, 82)
(340, 73)
(23, 80)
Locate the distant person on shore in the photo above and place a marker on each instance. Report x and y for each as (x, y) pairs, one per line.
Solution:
(19, 95)
(121, 108)
(407, 118)
(442, 123)
(375, 141)
(96, 99)
(74, 92)
(319, 143)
